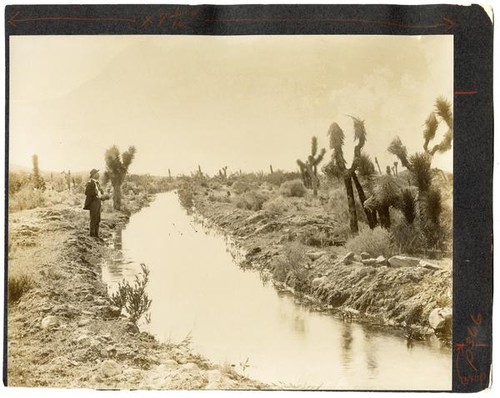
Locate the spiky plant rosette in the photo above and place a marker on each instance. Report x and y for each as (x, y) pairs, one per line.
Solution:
(397, 148)
(359, 130)
(432, 206)
(336, 136)
(366, 168)
(431, 125)
(387, 191)
(408, 204)
(421, 167)
(443, 109)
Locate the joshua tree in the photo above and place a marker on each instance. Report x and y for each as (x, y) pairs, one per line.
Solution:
(419, 164)
(395, 169)
(337, 167)
(309, 169)
(38, 181)
(116, 170)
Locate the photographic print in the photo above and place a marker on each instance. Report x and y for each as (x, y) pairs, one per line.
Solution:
(202, 210)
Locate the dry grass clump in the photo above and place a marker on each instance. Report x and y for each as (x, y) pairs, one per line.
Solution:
(290, 268)
(293, 188)
(406, 238)
(26, 198)
(242, 186)
(277, 206)
(375, 241)
(18, 285)
(251, 200)
(186, 196)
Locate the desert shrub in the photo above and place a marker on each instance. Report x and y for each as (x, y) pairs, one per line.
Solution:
(18, 285)
(279, 177)
(290, 267)
(186, 196)
(219, 198)
(406, 238)
(276, 206)
(242, 186)
(129, 188)
(250, 201)
(133, 298)
(293, 188)
(337, 205)
(310, 235)
(17, 181)
(375, 241)
(27, 198)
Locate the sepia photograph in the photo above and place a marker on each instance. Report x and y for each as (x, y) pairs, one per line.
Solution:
(239, 212)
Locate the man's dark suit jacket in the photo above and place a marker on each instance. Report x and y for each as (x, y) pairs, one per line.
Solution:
(91, 193)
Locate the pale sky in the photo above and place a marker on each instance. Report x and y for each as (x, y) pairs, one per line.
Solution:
(241, 101)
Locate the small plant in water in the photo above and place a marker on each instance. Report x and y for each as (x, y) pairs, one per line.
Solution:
(133, 298)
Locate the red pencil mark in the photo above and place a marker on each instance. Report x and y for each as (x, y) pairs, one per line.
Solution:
(14, 20)
(148, 20)
(466, 366)
(178, 18)
(465, 92)
(446, 23)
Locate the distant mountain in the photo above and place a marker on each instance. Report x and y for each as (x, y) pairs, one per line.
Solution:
(18, 168)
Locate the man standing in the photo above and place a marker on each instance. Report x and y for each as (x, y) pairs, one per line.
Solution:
(94, 195)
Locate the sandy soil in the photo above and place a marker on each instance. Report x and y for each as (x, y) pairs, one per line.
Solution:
(65, 333)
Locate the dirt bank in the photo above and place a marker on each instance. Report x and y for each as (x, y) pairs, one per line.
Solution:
(298, 251)
(63, 332)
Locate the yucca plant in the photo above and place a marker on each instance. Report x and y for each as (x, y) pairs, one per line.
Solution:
(337, 168)
(421, 170)
(366, 168)
(116, 169)
(38, 181)
(408, 204)
(309, 168)
(386, 193)
(429, 203)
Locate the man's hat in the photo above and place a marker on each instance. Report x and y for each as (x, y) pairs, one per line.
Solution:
(93, 171)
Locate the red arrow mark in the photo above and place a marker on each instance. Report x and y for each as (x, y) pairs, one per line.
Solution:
(446, 23)
(14, 20)
(465, 92)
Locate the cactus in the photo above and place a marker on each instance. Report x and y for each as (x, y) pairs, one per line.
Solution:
(271, 168)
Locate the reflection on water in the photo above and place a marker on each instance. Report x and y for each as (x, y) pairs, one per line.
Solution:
(346, 344)
(371, 353)
(235, 316)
